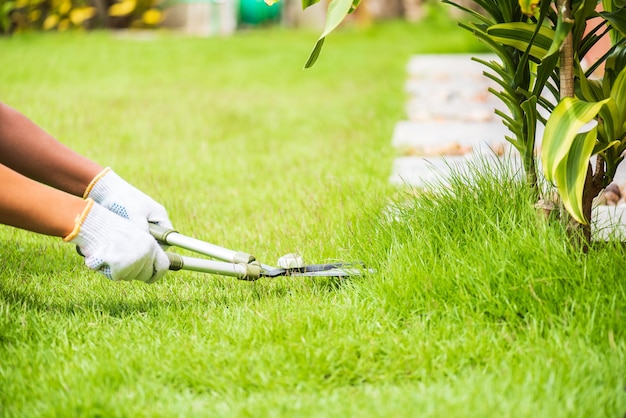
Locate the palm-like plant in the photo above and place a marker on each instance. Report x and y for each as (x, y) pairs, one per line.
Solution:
(555, 38)
(527, 82)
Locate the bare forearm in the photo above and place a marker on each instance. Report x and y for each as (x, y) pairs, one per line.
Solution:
(29, 150)
(30, 205)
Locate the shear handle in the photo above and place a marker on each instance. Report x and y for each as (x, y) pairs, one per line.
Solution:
(172, 237)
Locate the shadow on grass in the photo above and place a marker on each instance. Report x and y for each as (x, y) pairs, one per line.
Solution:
(29, 301)
(32, 290)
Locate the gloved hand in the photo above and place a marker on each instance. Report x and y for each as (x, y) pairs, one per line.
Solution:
(114, 193)
(117, 248)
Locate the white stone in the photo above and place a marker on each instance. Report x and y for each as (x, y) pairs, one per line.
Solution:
(428, 133)
(608, 223)
(454, 65)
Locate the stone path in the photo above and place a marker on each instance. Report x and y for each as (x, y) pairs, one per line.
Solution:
(450, 121)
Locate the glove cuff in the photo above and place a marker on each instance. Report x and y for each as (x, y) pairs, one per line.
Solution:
(95, 180)
(104, 186)
(79, 220)
(92, 225)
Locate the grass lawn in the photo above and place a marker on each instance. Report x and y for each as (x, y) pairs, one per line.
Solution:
(477, 309)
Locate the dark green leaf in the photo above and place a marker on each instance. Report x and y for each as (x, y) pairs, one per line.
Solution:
(307, 3)
(617, 19)
(315, 53)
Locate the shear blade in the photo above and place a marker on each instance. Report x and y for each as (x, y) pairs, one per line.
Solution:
(328, 273)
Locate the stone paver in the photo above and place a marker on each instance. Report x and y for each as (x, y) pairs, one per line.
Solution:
(450, 118)
(450, 124)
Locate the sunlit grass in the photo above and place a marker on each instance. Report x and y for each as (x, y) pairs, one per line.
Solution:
(476, 309)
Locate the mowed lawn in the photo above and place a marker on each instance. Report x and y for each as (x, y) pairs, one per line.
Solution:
(476, 308)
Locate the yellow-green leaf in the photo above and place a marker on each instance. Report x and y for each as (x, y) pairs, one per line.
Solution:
(123, 8)
(34, 15)
(63, 25)
(50, 22)
(565, 121)
(571, 173)
(566, 152)
(80, 14)
(519, 36)
(618, 94)
(152, 17)
(528, 6)
(65, 7)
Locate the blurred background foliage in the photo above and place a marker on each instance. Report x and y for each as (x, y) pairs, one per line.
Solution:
(60, 15)
(18, 16)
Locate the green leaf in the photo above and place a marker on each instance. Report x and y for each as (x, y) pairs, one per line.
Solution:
(530, 114)
(610, 121)
(618, 94)
(616, 60)
(571, 173)
(567, 118)
(308, 3)
(581, 12)
(519, 35)
(609, 5)
(562, 30)
(588, 90)
(528, 6)
(601, 147)
(315, 53)
(337, 11)
(617, 19)
(566, 152)
(469, 12)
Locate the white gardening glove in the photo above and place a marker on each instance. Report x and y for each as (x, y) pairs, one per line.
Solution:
(117, 248)
(114, 193)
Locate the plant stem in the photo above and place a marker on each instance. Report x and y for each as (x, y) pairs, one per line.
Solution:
(566, 73)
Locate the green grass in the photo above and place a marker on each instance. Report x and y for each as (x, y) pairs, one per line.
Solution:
(476, 309)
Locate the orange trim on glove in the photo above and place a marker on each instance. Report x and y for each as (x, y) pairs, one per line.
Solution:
(78, 222)
(94, 181)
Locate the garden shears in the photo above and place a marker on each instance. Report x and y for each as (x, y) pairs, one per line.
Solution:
(241, 264)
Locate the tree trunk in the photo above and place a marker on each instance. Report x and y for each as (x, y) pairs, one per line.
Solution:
(102, 9)
(566, 72)
(593, 186)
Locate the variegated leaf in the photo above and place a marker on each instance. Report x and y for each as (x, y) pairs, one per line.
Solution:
(571, 172)
(519, 36)
(566, 120)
